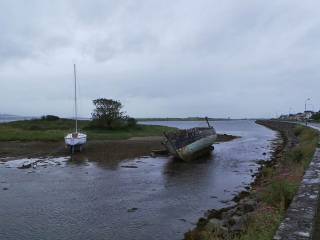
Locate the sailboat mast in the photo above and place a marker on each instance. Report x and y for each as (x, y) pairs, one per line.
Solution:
(75, 97)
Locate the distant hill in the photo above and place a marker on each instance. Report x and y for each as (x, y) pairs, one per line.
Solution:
(181, 119)
(10, 117)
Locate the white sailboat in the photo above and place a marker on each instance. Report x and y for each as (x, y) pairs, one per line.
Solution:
(75, 140)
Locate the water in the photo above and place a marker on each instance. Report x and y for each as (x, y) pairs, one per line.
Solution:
(159, 199)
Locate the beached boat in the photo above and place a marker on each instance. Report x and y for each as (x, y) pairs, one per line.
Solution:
(189, 144)
(75, 141)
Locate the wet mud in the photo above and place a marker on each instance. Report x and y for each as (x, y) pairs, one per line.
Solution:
(108, 150)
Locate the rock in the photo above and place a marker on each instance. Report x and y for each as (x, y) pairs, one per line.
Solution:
(260, 162)
(226, 215)
(129, 166)
(5, 188)
(237, 228)
(233, 220)
(132, 209)
(248, 205)
(239, 224)
(241, 195)
(224, 231)
(159, 152)
(202, 222)
(214, 214)
(213, 224)
(25, 165)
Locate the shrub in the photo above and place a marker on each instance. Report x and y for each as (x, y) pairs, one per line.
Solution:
(296, 155)
(50, 118)
(267, 172)
(131, 122)
(316, 116)
(298, 130)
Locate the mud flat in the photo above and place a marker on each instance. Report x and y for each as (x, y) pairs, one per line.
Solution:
(256, 213)
(101, 150)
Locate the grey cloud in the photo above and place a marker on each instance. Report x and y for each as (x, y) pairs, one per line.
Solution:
(161, 58)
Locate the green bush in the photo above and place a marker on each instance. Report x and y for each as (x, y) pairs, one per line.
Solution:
(298, 130)
(296, 155)
(131, 122)
(316, 116)
(50, 118)
(267, 172)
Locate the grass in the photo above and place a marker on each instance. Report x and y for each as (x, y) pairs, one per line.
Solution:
(279, 193)
(263, 224)
(43, 130)
(280, 186)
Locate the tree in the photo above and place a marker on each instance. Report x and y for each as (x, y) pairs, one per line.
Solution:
(316, 116)
(50, 118)
(131, 122)
(107, 113)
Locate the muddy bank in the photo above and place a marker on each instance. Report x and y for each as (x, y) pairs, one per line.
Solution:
(231, 222)
(102, 150)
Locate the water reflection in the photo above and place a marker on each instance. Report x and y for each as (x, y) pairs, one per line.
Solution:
(176, 166)
(78, 160)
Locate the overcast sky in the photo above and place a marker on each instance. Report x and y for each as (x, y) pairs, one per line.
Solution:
(164, 58)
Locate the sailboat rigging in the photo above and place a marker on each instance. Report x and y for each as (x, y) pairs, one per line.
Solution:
(75, 141)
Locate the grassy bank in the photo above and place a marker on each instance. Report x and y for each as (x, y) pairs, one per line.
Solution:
(280, 181)
(44, 130)
(274, 187)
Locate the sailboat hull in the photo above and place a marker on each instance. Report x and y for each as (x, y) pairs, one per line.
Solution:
(79, 140)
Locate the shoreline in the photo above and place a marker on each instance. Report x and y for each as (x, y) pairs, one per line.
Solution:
(101, 150)
(251, 212)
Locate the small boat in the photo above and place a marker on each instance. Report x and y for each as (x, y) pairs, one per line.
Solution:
(189, 144)
(75, 141)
